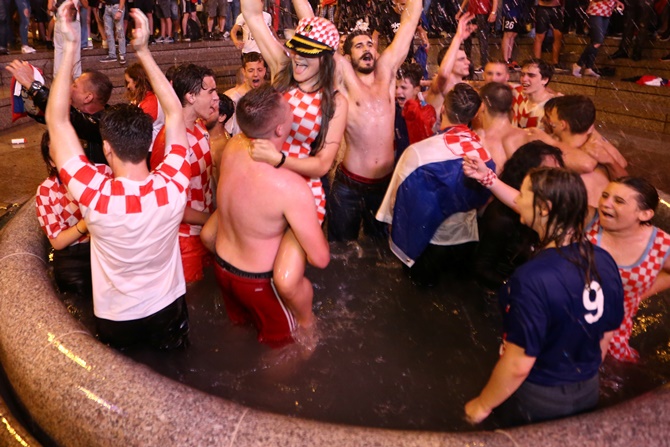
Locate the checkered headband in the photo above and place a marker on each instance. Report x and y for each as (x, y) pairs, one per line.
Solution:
(313, 36)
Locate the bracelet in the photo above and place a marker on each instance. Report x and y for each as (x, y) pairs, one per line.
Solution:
(488, 179)
(121, 10)
(78, 230)
(281, 162)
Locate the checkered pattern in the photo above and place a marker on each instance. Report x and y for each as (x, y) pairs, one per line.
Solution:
(106, 195)
(462, 141)
(636, 279)
(56, 209)
(306, 108)
(602, 8)
(319, 29)
(524, 114)
(199, 194)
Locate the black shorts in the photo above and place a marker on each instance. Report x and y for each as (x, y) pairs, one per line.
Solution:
(146, 6)
(513, 25)
(548, 17)
(166, 329)
(188, 6)
(38, 9)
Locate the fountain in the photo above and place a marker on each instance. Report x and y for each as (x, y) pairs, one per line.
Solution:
(81, 393)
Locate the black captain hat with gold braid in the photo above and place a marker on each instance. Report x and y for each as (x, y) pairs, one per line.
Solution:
(313, 36)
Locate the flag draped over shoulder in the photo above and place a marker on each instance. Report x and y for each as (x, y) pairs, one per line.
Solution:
(428, 188)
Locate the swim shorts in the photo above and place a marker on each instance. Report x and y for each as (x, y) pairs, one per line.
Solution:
(252, 298)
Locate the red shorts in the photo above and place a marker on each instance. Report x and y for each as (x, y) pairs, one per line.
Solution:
(194, 256)
(251, 297)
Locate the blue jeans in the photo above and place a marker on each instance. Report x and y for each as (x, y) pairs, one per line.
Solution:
(598, 28)
(83, 18)
(351, 203)
(22, 6)
(111, 26)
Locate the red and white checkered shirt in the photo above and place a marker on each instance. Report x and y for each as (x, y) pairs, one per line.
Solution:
(601, 8)
(525, 115)
(199, 194)
(56, 208)
(135, 261)
(306, 108)
(637, 279)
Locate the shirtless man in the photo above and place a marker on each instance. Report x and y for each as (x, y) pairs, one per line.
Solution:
(530, 96)
(495, 129)
(454, 65)
(254, 69)
(254, 218)
(368, 83)
(570, 119)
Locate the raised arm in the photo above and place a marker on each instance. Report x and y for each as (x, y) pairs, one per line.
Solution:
(476, 169)
(319, 164)
(394, 55)
(175, 129)
(440, 83)
(303, 9)
(64, 141)
(273, 51)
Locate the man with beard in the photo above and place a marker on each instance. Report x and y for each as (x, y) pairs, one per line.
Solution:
(368, 83)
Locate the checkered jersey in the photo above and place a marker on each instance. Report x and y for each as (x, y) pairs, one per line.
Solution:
(461, 141)
(306, 108)
(199, 194)
(636, 279)
(135, 263)
(56, 208)
(601, 8)
(524, 114)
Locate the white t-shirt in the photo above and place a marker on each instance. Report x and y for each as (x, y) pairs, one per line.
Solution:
(249, 42)
(135, 261)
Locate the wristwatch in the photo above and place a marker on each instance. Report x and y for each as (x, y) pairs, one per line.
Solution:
(35, 87)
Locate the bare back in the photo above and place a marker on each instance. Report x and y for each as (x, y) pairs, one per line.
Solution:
(252, 199)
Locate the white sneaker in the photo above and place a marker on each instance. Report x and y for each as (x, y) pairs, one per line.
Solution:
(576, 71)
(590, 72)
(27, 49)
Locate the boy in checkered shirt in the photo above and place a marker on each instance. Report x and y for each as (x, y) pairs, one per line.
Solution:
(133, 216)
(195, 87)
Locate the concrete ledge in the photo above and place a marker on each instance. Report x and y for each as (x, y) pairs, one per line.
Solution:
(85, 394)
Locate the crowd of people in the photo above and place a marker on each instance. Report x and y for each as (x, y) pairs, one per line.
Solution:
(342, 142)
(107, 21)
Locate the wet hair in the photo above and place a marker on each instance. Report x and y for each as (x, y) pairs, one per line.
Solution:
(546, 70)
(259, 111)
(188, 78)
(647, 195)
(100, 85)
(226, 107)
(410, 71)
(142, 86)
(530, 155)
(128, 130)
(349, 41)
(461, 103)
(578, 111)
(169, 73)
(253, 56)
(565, 191)
(284, 81)
(497, 97)
(44, 147)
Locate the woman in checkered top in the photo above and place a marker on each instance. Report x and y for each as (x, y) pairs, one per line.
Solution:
(60, 218)
(622, 226)
(304, 70)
